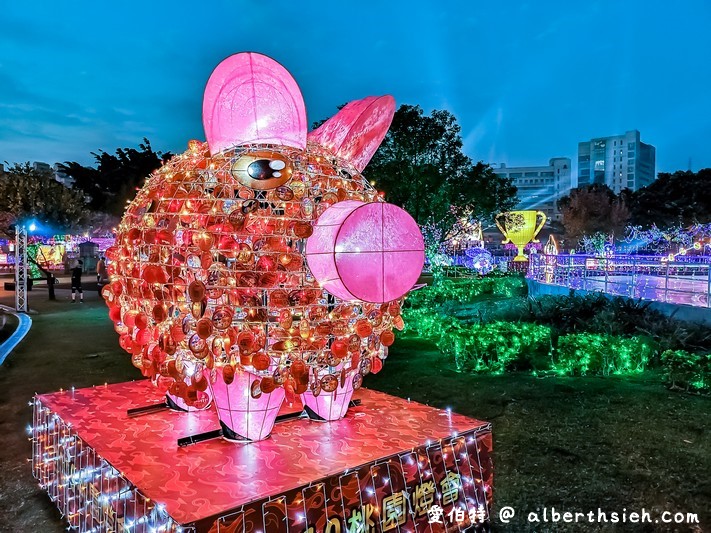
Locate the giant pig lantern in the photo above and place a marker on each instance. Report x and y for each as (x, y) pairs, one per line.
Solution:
(262, 266)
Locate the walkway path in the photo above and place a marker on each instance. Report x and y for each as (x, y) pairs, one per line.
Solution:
(22, 329)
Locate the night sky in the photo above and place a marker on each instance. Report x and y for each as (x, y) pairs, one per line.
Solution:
(527, 81)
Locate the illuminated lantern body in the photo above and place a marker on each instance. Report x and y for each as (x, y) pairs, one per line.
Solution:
(355, 133)
(181, 404)
(370, 252)
(270, 111)
(249, 418)
(210, 288)
(330, 405)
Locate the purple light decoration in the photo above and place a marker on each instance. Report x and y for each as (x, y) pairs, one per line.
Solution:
(370, 252)
(250, 98)
(479, 259)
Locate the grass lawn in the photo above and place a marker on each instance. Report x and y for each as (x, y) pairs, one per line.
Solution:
(575, 444)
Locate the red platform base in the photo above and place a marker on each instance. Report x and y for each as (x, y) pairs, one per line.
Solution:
(389, 465)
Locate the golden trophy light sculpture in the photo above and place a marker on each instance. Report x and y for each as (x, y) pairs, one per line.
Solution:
(520, 228)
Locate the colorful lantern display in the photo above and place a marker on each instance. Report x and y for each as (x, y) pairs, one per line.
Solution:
(479, 259)
(210, 291)
(520, 228)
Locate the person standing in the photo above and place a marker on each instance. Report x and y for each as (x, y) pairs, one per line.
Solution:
(76, 281)
(65, 262)
(101, 270)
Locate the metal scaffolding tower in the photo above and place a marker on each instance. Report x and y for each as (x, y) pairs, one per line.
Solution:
(21, 271)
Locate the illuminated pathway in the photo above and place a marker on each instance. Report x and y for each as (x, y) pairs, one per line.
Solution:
(19, 334)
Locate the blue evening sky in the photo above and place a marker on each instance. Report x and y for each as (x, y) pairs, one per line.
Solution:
(527, 80)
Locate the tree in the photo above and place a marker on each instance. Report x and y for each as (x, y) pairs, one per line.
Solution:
(681, 198)
(116, 177)
(26, 192)
(49, 276)
(591, 210)
(421, 167)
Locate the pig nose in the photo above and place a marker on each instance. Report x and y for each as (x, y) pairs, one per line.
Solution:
(373, 252)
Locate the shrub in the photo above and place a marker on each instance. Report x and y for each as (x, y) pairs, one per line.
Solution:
(465, 290)
(593, 353)
(496, 347)
(598, 313)
(566, 314)
(506, 310)
(422, 322)
(425, 310)
(687, 370)
(487, 325)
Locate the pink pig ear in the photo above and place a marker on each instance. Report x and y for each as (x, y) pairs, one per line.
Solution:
(250, 98)
(356, 131)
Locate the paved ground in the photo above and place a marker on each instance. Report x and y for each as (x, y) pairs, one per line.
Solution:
(69, 344)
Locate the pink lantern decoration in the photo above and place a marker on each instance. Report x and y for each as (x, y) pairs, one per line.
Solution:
(328, 406)
(250, 98)
(221, 256)
(356, 131)
(246, 417)
(372, 252)
(205, 399)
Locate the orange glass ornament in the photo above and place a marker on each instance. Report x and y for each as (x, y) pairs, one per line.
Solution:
(141, 321)
(160, 313)
(339, 349)
(363, 328)
(246, 342)
(196, 291)
(203, 328)
(260, 361)
(387, 337)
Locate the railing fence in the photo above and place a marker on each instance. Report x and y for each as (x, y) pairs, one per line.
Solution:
(683, 280)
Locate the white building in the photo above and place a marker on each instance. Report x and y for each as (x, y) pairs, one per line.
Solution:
(620, 162)
(41, 166)
(541, 187)
(55, 170)
(61, 177)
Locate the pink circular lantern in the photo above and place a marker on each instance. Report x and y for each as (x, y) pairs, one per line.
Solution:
(373, 252)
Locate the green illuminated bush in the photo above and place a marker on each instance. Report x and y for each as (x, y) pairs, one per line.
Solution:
(465, 290)
(598, 313)
(426, 309)
(687, 370)
(422, 322)
(591, 353)
(487, 325)
(496, 347)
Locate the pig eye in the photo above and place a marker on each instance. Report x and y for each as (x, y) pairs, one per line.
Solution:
(262, 170)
